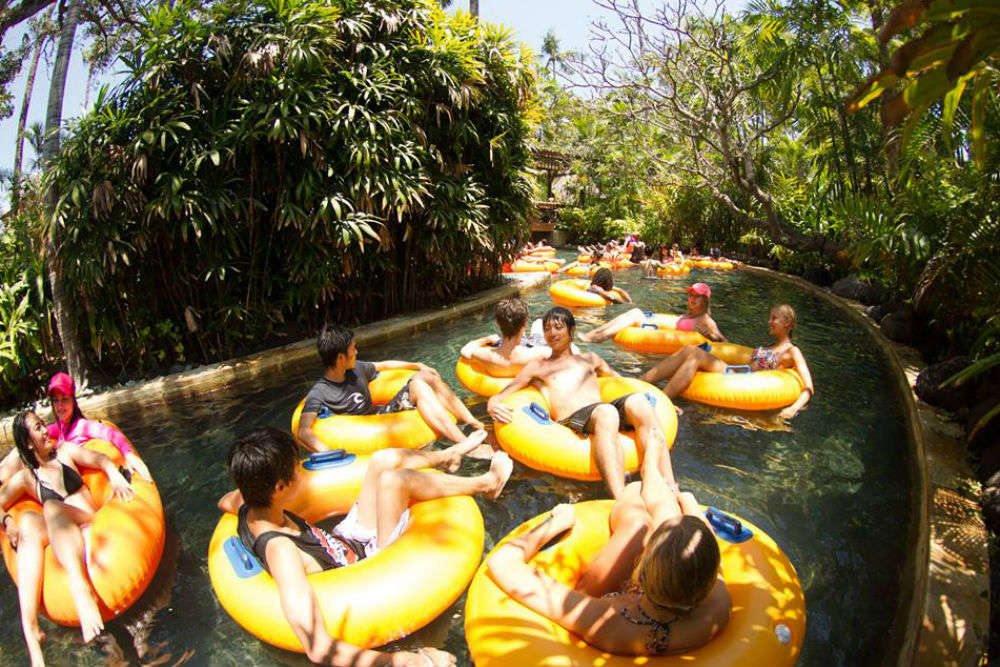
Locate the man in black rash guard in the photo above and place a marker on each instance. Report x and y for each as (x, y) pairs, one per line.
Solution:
(343, 390)
(264, 466)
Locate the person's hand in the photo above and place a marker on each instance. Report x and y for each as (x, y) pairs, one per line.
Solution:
(563, 517)
(136, 465)
(13, 533)
(121, 489)
(430, 657)
(500, 412)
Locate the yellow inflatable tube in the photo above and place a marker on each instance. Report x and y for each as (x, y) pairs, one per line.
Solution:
(757, 390)
(673, 270)
(364, 434)
(540, 443)
(523, 266)
(766, 627)
(124, 544)
(578, 269)
(372, 602)
(573, 293)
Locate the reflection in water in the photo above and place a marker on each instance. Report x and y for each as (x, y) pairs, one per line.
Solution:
(829, 487)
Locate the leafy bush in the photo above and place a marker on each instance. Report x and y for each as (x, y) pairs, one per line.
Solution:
(291, 161)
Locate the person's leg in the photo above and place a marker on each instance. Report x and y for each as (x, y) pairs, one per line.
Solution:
(434, 399)
(666, 368)
(607, 453)
(397, 488)
(67, 543)
(30, 562)
(697, 360)
(639, 414)
(610, 328)
(385, 460)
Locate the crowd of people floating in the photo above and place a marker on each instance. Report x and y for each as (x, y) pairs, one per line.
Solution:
(655, 587)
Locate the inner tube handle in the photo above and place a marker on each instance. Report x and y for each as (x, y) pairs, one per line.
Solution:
(727, 527)
(648, 325)
(331, 455)
(731, 370)
(538, 411)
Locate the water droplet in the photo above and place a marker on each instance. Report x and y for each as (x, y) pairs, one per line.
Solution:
(783, 633)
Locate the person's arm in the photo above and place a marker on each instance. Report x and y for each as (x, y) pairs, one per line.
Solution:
(87, 458)
(9, 492)
(10, 465)
(96, 430)
(580, 614)
(609, 295)
(395, 365)
(495, 406)
(301, 608)
(469, 350)
(305, 435)
(601, 367)
(807, 392)
(710, 330)
(623, 294)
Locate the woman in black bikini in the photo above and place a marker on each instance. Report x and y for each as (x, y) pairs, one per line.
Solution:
(53, 479)
(654, 588)
(679, 368)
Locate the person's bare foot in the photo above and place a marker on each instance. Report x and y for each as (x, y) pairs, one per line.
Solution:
(501, 468)
(455, 453)
(34, 642)
(584, 337)
(678, 409)
(91, 623)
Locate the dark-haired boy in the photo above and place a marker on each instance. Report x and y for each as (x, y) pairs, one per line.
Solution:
(343, 390)
(264, 466)
(574, 396)
(603, 283)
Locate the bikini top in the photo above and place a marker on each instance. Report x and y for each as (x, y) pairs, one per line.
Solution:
(659, 631)
(328, 550)
(764, 358)
(71, 480)
(685, 323)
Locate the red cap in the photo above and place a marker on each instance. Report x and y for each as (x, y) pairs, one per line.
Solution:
(701, 289)
(62, 383)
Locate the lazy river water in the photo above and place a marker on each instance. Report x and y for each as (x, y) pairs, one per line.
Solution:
(830, 490)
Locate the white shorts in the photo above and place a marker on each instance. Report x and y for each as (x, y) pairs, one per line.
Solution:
(350, 529)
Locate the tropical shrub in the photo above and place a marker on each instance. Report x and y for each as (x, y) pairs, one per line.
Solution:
(290, 161)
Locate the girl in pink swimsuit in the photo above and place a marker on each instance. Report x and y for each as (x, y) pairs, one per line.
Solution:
(696, 318)
(71, 427)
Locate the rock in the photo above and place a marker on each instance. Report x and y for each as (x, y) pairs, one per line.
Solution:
(900, 326)
(988, 436)
(991, 504)
(176, 368)
(928, 385)
(850, 287)
(873, 295)
(818, 275)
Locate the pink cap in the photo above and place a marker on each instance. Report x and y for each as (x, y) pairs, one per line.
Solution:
(62, 383)
(701, 289)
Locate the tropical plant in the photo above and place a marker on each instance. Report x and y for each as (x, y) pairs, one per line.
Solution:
(291, 161)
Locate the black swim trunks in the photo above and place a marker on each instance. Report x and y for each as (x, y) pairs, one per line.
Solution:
(579, 421)
(400, 402)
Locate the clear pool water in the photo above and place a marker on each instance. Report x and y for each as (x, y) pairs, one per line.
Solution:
(831, 489)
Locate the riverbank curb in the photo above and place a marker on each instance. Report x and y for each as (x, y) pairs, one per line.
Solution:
(230, 376)
(945, 620)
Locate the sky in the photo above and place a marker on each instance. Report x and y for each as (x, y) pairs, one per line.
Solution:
(528, 19)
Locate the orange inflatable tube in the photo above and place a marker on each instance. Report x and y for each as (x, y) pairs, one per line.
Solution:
(124, 544)
(766, 627)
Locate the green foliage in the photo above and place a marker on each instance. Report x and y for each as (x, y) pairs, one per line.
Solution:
(291, 160)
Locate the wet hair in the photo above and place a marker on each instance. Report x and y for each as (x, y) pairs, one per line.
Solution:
(680, 564)
(559, 314)
(511, 314)
(22, 440)
(259, 460)
(787, 313)
(603, 278)
(333, 341)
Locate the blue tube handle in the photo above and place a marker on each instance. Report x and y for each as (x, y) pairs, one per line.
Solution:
(732, 370)
(331, 455)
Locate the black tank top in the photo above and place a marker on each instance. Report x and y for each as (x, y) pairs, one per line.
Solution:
(330, 551)
(71, 480)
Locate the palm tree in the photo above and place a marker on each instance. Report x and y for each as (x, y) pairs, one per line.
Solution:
(550, 48)
(65, 320)
(42, 32)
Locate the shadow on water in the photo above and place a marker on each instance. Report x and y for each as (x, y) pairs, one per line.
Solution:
(829, 487)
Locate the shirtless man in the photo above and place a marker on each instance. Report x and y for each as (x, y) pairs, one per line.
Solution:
(574, 395)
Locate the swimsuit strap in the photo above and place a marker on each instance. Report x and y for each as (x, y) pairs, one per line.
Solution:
(659, 639)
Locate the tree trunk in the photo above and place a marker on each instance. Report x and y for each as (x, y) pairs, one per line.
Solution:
(22, 122)
(65, 317)
(474, 8)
